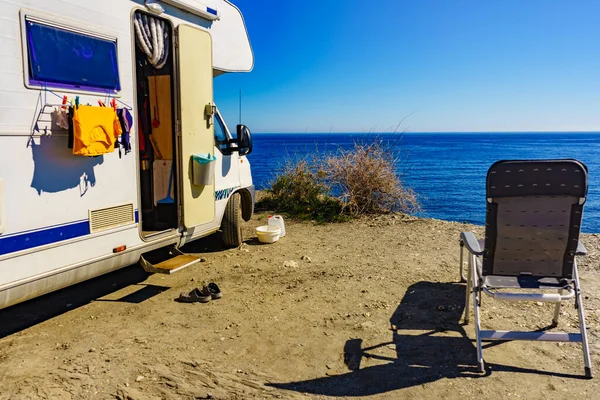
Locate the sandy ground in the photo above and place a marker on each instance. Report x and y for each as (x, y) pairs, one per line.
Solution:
(308, 317)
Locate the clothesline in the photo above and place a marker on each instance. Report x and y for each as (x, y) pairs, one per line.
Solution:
(118, 121)
(108, 96)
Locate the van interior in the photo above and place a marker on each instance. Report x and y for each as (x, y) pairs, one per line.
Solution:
(156, 133)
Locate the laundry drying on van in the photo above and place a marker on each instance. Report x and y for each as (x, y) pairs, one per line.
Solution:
(62, 117)
(125, 120)
(95, 130)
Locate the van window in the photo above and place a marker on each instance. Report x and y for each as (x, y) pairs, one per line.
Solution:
(60, 57)
(220, 133)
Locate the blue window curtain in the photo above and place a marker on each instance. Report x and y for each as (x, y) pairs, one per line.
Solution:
(62, 58)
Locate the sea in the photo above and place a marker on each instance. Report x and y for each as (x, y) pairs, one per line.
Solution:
(446, 170)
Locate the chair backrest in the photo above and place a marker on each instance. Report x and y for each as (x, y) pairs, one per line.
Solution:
(533, 221)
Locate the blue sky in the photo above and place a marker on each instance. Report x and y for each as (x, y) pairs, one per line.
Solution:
(446, 65)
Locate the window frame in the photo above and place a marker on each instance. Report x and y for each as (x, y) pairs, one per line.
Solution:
(228, 136)
(71, 26)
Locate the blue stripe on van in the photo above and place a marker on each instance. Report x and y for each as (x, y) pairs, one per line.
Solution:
(224, 193)
(27, 240)
(47, 235)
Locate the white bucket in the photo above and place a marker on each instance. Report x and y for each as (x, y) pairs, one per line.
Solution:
(268, 234)
(277, 220)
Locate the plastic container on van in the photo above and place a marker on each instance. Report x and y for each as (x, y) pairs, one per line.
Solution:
(203, 169)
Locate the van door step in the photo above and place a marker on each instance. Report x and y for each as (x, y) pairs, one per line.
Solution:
(166, 262)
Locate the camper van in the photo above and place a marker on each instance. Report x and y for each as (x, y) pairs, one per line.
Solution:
(112, 148)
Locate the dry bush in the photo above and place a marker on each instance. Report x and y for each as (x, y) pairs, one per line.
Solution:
(365, 180)
(301, 191)
(336, 187)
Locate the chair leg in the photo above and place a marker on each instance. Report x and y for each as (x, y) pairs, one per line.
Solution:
(556, 311)
(462, 249)
(584, 339)
(476, 305)
(468, 289)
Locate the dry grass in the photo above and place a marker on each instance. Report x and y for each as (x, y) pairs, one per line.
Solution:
(347, 183)
(366, 181)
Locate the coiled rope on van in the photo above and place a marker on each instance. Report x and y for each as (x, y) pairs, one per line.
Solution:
(153, 38)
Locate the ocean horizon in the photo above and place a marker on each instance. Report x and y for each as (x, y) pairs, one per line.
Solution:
(446, 169)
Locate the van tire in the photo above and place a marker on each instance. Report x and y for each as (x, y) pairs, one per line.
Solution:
(231, 226)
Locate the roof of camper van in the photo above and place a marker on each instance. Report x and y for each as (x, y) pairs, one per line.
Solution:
(231, 46)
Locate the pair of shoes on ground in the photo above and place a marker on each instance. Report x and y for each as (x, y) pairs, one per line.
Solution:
(204, 295)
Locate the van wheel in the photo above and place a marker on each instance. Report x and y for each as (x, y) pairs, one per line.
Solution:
(231, 226)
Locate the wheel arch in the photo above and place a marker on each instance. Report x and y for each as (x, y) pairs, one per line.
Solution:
(247, 198)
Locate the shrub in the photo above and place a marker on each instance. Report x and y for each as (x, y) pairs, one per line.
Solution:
(348, 183)
(366, 181)
(301, 191)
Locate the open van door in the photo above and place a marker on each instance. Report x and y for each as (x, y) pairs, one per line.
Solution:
(196, 129)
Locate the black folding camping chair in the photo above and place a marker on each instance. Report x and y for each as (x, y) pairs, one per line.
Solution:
(533, 222)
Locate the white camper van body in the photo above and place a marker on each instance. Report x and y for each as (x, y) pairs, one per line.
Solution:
(67, 218)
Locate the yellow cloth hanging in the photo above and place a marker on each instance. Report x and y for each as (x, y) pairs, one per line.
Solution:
(95, 130)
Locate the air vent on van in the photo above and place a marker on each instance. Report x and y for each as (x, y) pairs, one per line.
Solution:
(111, 217)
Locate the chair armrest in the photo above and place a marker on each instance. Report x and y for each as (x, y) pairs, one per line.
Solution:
(581, 250)
(469, 240)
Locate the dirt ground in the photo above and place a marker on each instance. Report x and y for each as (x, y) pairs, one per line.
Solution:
(310, 316)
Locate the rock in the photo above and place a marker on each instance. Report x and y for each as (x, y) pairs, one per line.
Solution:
(367, 325)
(306, 258)
(92, 350)
(202, 259)
(236, 265)
(327, 366)
(290, 264)
(139, 378)
(441, 308)
(63, 346)
(539, 303)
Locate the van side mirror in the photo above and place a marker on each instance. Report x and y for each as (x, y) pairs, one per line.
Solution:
(244, 140)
